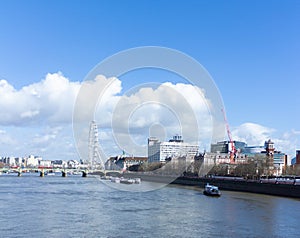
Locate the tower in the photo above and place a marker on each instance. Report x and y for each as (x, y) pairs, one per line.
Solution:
(269, 146)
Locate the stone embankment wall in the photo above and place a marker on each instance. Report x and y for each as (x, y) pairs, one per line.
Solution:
(285, 190)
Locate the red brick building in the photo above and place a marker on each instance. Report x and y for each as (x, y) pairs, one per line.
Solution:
(298, 157)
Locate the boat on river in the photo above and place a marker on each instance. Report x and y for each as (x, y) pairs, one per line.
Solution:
(130, 180)
(115, 179)
(126, 180)
(50, 174)
(211, 190)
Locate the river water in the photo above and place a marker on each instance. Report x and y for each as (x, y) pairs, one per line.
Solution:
(54, 206)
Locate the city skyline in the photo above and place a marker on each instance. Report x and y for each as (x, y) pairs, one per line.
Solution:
(250, 48)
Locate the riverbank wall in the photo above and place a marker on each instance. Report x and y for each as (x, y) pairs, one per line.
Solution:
(252, 186)
(285, 190)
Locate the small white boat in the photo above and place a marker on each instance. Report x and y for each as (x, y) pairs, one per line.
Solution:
(105, 177)
(50, 174)
(137, 180)
(126, 180)
(211, 190)
(115, 179)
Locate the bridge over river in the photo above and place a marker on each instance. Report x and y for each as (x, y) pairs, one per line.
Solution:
(63, 171)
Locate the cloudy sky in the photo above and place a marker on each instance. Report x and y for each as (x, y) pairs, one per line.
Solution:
(250, 48)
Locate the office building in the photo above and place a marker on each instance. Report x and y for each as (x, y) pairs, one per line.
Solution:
(161, 151)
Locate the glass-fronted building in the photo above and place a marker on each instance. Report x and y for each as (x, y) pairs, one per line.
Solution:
(250, 150)
(224, 147)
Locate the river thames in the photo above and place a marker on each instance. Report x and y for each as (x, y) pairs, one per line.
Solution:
(53, 206)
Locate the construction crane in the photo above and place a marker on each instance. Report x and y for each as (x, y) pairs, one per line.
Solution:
(232, 150)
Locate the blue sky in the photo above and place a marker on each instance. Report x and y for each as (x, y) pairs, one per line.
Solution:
(250, 48)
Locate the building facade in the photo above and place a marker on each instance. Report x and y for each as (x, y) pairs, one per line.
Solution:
(123, 162)
(161, 151)
(45, 163)
(253, 149)
(275, 161)
(297, 157)
(33, 161)
(224, 147)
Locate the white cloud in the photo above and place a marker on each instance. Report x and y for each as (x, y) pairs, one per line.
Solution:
(29, 114)
(253, 134)
(125, 120)
(6, 139)
(37, 118)
(166, 105)
(49, 101)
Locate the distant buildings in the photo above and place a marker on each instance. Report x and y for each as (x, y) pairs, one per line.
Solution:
(293, 161)
(161, 151)
(30, 161)
(37, 162)
(181, 157)
(124, 162)
(224, 147)
(264, 156)
(73, 164)
(59, 164)
(45, 163)
(296, 163)
(275, 160)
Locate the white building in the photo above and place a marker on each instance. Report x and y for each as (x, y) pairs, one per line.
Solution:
(58, 164)
(20, 161)
(33, 161)
(46, 163)
(11, 161)
(73, 164)
(174, 148)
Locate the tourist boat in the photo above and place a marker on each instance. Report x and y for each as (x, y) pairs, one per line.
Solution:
(137, 180)
(115, 179)
(127, 180)
(50, 174)
(211, 190)
(105, 177)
